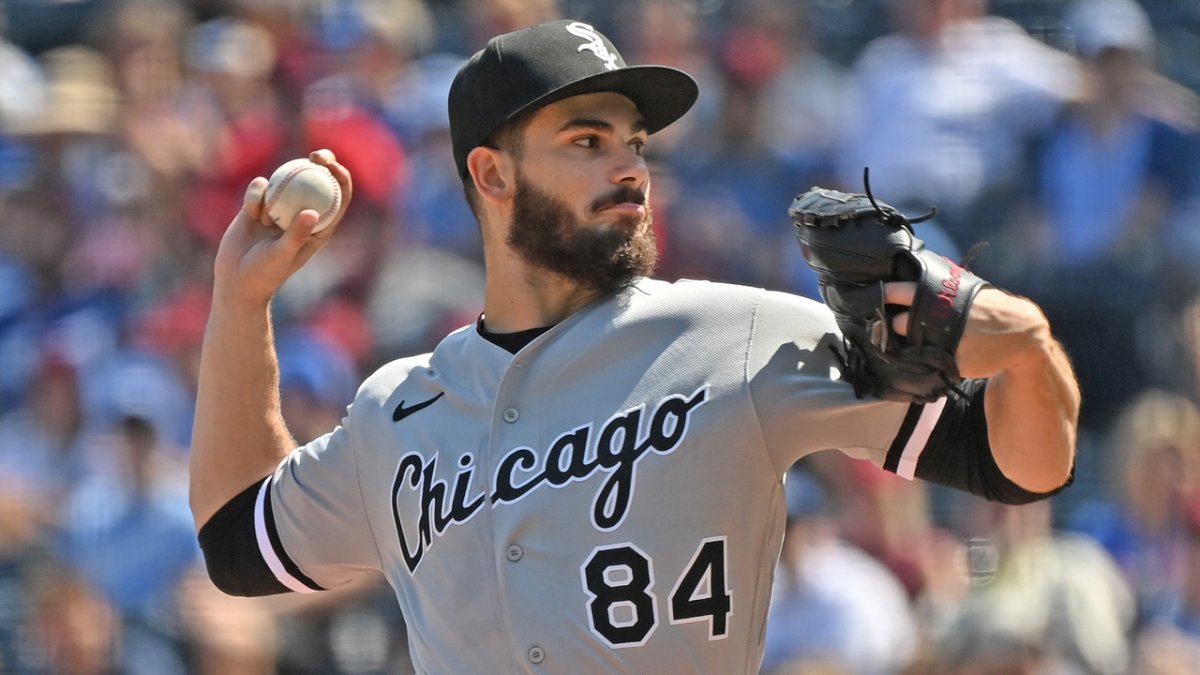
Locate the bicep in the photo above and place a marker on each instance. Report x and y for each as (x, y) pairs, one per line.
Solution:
(303, 529)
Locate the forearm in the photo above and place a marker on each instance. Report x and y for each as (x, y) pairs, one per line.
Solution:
(1032, 408)
(239, 434)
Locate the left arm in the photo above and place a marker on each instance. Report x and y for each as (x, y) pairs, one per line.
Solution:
(1032, 399)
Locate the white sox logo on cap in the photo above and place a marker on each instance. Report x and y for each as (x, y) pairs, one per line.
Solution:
(519, 72)
(594, 44)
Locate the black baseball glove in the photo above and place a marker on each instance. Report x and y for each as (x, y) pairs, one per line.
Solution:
(855, 244)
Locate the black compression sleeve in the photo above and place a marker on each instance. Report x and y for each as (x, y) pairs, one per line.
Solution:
(958, 454)
(231, 551)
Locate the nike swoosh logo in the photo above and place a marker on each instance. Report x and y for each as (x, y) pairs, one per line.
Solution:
(402, 412)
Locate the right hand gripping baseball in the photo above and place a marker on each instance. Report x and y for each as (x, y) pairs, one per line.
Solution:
(255, 258)
(856, 244)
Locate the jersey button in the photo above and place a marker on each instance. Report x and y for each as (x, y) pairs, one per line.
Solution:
(514, 553)
(511, 415)
(537, 654)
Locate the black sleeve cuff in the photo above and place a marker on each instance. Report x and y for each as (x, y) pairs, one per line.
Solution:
(958, 454)
(231, 554)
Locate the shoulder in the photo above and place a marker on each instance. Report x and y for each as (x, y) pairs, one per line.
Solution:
(722, 306)
(375, 391)
(719, 299)
(461, 349)
(704, 293)
(383, 382)
(692, 292)
(686, 299)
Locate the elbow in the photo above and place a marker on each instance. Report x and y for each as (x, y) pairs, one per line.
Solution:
(1048, 486)
(1048, 480)
(1045, 466)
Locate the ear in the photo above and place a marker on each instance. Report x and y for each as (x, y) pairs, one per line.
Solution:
(493, 172)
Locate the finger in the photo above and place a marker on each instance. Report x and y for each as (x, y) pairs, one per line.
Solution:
(326, 158)
(252, 201)
(900, 292)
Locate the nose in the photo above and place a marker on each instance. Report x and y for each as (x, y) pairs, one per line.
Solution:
(631, 171)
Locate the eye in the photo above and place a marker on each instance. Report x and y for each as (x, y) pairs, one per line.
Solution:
(587, 142)
(638, 145)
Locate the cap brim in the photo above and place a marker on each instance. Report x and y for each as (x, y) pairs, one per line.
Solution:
(662, 94)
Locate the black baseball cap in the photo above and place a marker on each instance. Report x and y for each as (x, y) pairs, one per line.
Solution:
(532, 67)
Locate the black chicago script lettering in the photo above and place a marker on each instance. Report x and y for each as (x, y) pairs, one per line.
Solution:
(618, 447)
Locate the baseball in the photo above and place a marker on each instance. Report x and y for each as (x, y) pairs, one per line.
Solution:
(302, 184)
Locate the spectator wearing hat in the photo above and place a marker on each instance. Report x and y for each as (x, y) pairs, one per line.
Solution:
(757, 143)
(1109, 188)
(942, 106)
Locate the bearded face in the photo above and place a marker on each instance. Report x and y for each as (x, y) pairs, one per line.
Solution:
(547, 235)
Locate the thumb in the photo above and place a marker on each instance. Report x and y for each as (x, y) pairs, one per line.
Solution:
(300, 231)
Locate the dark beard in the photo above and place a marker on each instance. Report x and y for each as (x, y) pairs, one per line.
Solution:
(545, 234)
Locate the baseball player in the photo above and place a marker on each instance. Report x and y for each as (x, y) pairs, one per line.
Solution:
(588, 479)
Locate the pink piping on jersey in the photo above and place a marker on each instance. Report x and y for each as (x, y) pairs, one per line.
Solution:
(907, 466)
(268, 551)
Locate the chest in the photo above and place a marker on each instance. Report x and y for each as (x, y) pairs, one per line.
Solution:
(562, 444)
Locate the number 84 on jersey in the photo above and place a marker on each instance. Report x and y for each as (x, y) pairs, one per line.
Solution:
(623, 608)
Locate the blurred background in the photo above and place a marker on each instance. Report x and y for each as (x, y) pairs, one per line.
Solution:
(1057, 138)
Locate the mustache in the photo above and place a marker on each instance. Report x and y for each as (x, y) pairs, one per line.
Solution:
(621, 195)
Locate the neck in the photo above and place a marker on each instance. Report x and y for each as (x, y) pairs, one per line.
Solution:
(520, 296)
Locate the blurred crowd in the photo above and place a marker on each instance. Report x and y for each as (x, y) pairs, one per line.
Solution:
(1057, 138)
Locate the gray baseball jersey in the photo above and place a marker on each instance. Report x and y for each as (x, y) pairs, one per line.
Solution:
(608, 499)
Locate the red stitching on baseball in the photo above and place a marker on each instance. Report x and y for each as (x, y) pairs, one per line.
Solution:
(337, 198)
(337, 190)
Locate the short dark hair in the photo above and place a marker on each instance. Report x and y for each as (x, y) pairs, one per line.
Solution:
(509, 137)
